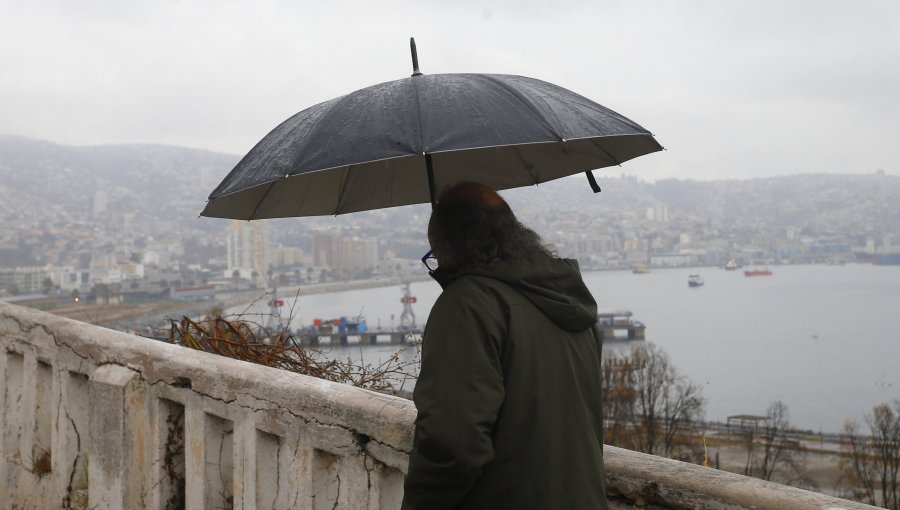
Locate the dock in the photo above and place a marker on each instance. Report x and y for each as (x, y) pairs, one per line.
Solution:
(619, 325)
(343, 339)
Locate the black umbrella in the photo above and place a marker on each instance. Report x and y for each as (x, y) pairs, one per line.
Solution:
(400, 142)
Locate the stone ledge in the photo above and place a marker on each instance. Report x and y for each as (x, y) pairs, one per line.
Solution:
(382, 417)
(363, 425)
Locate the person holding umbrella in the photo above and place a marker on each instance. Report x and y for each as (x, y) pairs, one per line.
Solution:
(508, 397)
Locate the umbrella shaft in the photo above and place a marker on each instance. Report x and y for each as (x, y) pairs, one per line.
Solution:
(429, 169)
(415, 58)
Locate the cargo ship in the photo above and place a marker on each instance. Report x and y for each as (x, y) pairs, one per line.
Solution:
(887, 259)
(758, 272)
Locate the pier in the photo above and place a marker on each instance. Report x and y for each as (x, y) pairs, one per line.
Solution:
(612, 324)
(344, 331)
(343, 339)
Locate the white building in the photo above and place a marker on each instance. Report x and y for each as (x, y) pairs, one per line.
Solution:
(248, 250)
(659, 214)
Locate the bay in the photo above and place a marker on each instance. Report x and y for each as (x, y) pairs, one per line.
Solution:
(823, 339)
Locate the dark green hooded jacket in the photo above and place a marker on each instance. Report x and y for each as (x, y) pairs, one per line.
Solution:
(508, 398)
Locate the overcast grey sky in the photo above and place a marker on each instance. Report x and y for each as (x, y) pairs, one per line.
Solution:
(732, 89)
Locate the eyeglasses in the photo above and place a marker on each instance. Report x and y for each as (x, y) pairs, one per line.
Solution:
(430, 257)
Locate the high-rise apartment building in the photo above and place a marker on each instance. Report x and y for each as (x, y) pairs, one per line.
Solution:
(248, 252)
(330, 249)
(659, 214)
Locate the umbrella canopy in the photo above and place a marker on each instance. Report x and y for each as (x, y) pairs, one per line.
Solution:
(397, 143)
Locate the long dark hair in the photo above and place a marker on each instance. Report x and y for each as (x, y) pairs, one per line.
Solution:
(471, 225)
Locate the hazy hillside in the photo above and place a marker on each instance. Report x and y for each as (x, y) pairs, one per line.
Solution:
(150, 181)
(170, 184)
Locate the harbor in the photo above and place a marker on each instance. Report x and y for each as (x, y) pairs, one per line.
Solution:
(349, 330)
(707, 332)
(619, 325)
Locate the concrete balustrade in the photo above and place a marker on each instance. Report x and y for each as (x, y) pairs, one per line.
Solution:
(94, 418)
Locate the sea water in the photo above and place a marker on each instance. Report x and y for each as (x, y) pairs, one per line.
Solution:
(823, 339)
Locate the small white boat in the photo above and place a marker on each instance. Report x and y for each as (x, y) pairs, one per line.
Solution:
(694, 280)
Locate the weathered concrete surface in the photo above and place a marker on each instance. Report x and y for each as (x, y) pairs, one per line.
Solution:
(647, 479)
(135, 423)
(126, 422)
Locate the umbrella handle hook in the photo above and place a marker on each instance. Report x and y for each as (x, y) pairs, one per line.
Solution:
(593, 182)
(415, 57)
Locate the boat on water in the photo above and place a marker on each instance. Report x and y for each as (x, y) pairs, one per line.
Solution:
(731, 265)
(758, 272)
(640, 269)
(695, 280)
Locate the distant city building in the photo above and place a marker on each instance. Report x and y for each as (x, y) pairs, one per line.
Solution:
(672, 259)
(324, 248)
(631, 245)
(590, 250)
(23, 280)
(330, 249)
(99, 204)
(150, 257)
(357, 254)
(659, 214)
(247, 246)
(69, 279)
(286, 256)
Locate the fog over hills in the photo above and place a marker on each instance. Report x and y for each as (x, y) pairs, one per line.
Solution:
(151, 181)
(168, 185)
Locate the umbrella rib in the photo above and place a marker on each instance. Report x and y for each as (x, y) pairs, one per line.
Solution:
(268, 189)
(526, 165)
(613, 158)
(344, 181)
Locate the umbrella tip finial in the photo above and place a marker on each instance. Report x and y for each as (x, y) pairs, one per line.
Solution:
(415, 57)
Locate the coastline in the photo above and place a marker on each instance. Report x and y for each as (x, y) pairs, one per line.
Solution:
(232, 299)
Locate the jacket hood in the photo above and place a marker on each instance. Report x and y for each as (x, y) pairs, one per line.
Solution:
(554, 286)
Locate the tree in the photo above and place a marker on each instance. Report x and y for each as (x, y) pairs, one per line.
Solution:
(618, 395)
(777, 449)
(682, 411)
(770, 448)
(857, 467)
(649, 407)
(871, 467)
(885, 426)
(101, 293)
